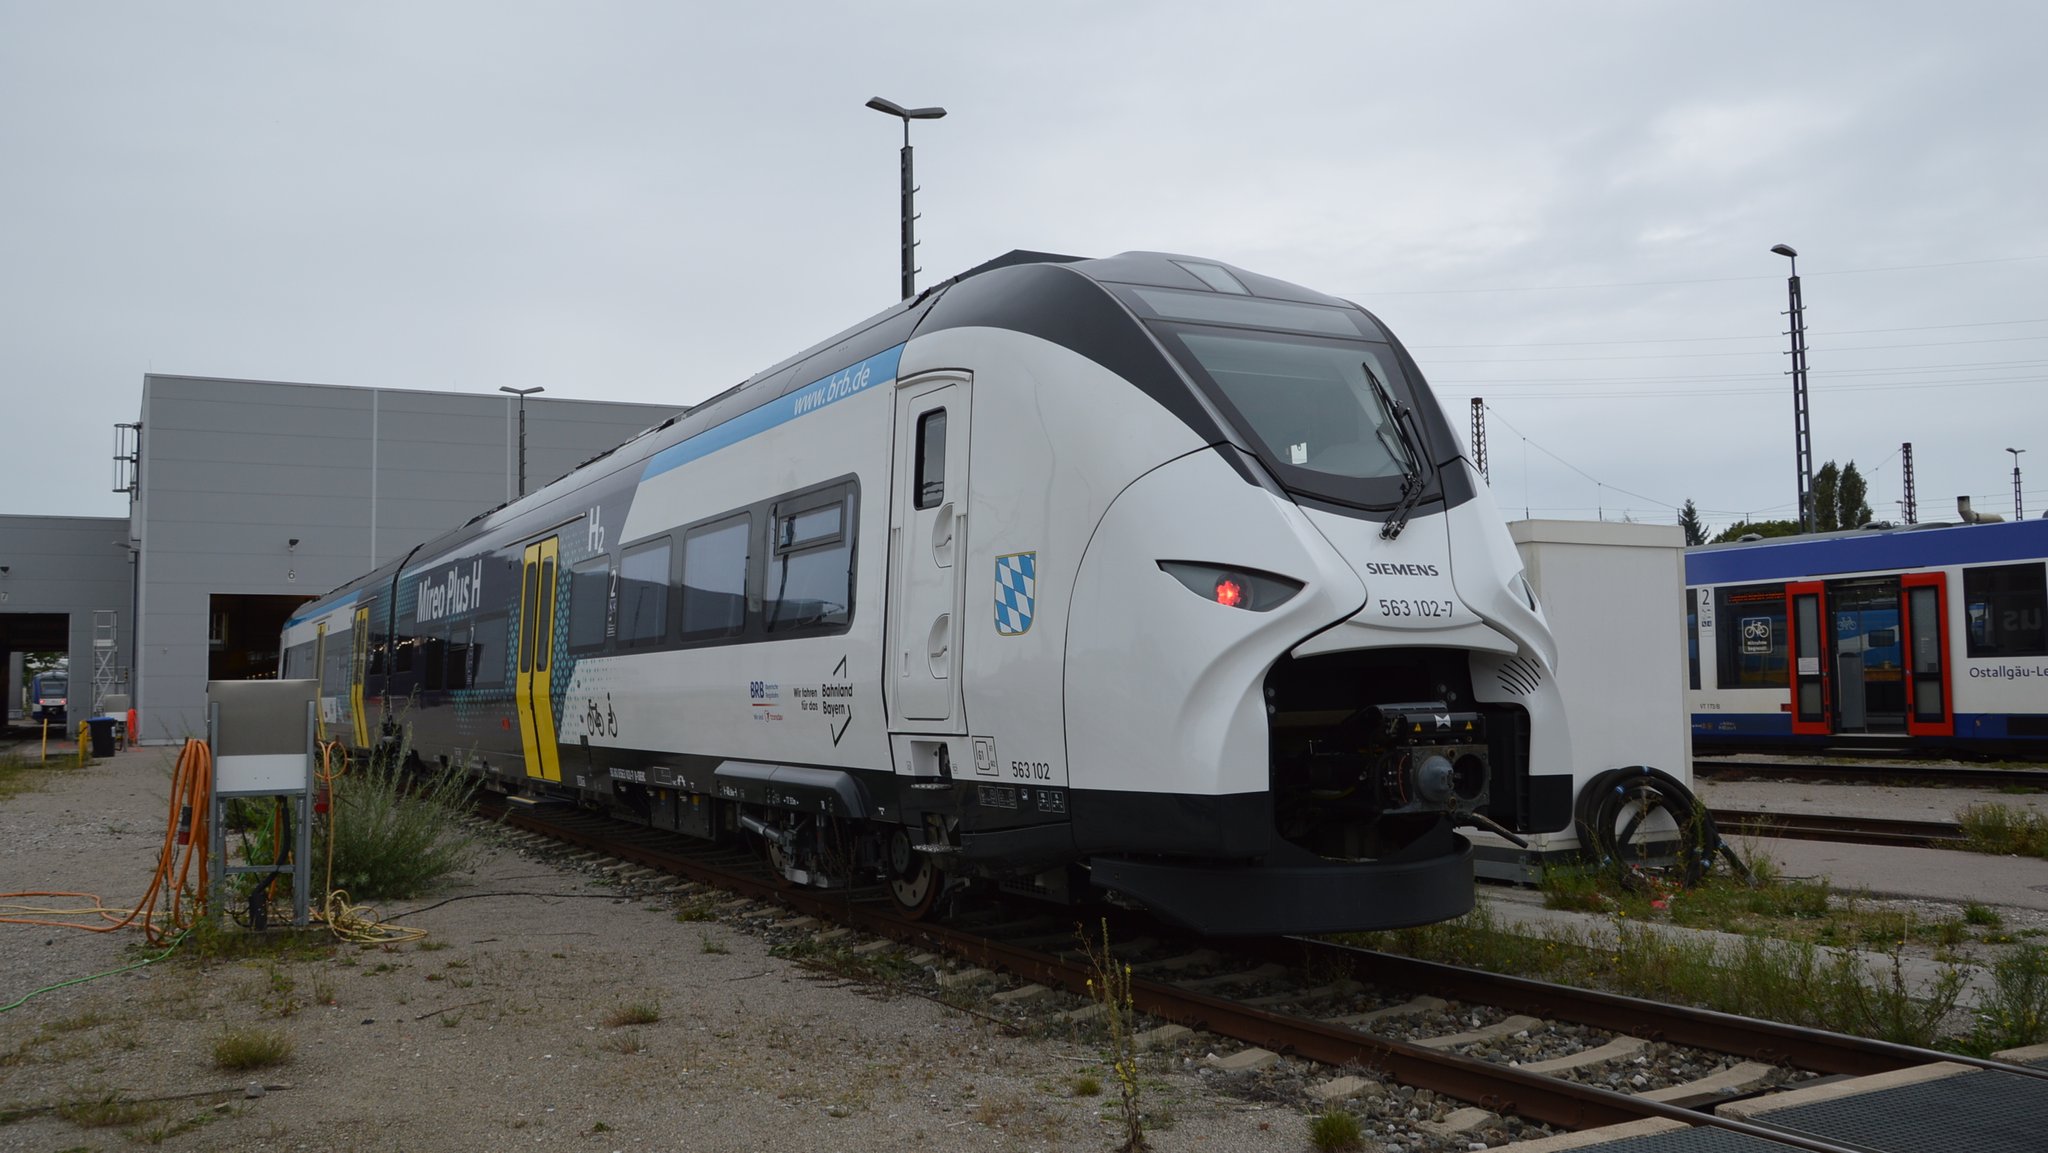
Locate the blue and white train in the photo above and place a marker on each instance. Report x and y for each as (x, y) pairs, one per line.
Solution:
(1144, 574)
(1933, 636)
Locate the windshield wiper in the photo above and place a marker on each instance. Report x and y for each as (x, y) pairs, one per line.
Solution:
(1411, 455)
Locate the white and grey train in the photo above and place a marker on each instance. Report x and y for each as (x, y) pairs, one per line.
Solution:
(1145, 575)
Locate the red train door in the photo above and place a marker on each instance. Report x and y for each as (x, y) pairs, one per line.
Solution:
(1923, 610)
(1806, 615)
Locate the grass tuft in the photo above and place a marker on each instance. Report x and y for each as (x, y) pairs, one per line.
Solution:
(18, 774)
(636, 1013)
(2016, 1011)
(2004, 830)
(1335, 1130)
(237, 1050)
(395, 832)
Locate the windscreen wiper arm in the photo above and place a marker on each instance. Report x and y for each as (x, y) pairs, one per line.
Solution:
(1411, 455)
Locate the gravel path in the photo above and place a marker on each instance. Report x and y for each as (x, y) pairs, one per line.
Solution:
(493, 1033)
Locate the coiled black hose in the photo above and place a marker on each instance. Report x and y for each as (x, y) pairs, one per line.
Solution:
(1634, 795)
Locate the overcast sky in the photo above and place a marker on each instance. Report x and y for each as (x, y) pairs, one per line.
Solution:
(1566, 208)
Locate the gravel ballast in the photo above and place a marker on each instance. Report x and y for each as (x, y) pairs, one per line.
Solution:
(493, 1032)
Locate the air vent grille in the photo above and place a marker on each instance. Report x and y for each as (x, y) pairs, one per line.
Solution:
(1520, 676)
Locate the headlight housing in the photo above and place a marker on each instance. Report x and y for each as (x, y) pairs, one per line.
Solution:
(1233, 586)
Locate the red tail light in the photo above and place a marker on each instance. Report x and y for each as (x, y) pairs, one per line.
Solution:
(1236, 588)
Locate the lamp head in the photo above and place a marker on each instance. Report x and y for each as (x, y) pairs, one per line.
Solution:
(1784, 250)
(895, 109)
(292, 543)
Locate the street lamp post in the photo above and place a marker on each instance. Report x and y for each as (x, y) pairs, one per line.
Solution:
(522, 394)
(909, 187)
(1802, 429)
(2017, 513)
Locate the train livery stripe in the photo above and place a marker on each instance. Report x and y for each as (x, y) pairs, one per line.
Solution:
(321, 610)
(1872, 552)
(878, 369)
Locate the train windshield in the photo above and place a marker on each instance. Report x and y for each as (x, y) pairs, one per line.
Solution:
(1311, 406)
(1313, 387)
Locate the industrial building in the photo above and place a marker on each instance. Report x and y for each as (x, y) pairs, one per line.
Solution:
(245, 499)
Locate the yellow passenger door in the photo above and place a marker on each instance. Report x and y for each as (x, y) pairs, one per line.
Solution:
(355, 684)
(535, 687)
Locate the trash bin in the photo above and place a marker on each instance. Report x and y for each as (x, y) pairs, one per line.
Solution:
(102, 735)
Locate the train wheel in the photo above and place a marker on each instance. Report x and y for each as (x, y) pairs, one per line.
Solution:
(914, 882)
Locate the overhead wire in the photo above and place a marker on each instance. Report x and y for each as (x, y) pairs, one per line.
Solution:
(1696, 280)
(1759, 336)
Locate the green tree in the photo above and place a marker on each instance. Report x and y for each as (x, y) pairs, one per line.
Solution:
(1827, 485)
(1764, 528)
(1853, 510)
(1689, 520)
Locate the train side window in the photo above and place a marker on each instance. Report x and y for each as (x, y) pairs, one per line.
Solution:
(434, 661)
(931, 459)
(643, 593)
(529, 615)
(458, 655)
(1749, 635)
(2006, 610)
(715, 578)
(487, 651)
(590, 590)
(810, 572)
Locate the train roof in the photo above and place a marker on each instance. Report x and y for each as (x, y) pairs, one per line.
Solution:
(1901, 548)
(886, 329)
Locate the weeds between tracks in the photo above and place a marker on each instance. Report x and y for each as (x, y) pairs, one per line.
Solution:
(1868, 993)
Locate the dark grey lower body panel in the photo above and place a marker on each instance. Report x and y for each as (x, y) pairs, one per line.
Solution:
(1304, 895)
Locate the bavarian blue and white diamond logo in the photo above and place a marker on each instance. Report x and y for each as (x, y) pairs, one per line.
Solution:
(1016, 592)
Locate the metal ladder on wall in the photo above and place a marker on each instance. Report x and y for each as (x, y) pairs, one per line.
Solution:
(108, 675)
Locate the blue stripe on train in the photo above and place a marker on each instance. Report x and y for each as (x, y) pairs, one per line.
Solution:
(1789, 558)
(1778, 726)
(876, 370)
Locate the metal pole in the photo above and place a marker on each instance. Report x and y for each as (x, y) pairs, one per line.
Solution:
(1910, 507)
(1802, 429)
(522, 444)
(909, 220)
(2017, 512)
(1479, 438)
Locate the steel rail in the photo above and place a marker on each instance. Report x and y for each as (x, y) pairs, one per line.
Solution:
(1919, 775)
(1815, 1050)
(1840, 829)
(1502, 1089)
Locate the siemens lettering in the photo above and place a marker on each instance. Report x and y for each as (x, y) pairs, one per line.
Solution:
(1376, 568)
(457, 593)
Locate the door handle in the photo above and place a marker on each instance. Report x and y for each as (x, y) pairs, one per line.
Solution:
(943, 528)
(939, 647)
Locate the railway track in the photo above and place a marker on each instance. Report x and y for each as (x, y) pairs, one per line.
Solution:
(1231, 993)
(1844, 830)
(1951, 776)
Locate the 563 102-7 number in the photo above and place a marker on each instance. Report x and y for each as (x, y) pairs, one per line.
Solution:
(1425, 607)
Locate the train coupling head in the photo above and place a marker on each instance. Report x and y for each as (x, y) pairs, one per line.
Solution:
(1435, 759)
